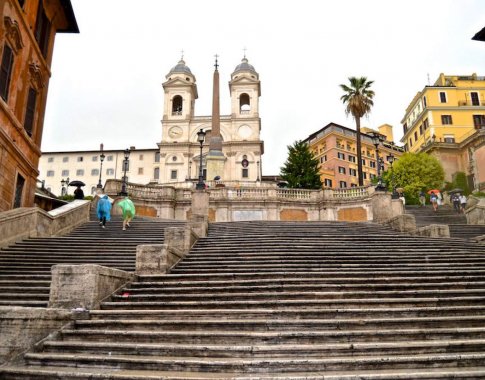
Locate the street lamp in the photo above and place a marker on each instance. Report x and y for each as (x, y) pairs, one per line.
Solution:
(65, 184)
(257, 165)
(377, 139)
(200, 138)
(125, 168)
(391, 159)
(101, 159)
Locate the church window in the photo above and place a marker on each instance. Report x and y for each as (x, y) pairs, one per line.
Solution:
(174, 158)
(6, 71)
(244, 104)
(245, 173)
(173, 174)
(156, 173)
(157, 156)
(177, 103)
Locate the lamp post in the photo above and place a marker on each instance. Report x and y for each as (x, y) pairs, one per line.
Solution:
(125, 168)
(101, 159)
(377, 139)
(391, 159)
(65, 184)
(257, 166)
(200, 138)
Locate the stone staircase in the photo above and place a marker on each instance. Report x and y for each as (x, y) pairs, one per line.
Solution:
(286, 300)
(25, 267)
(446, 215)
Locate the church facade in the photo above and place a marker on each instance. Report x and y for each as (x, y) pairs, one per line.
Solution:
(232, 148)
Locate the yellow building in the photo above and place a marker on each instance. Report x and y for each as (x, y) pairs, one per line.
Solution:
(335, 147)
(445, 119)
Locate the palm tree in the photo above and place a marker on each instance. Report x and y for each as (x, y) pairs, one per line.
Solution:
(358, 100)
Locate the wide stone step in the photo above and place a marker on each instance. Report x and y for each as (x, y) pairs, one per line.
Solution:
(265, 351)
(299, 313)
(53, 372)
(283, 324)
(257, 365)
(279, 303)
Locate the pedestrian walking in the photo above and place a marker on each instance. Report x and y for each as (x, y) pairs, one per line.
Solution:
(422, 198)
(463, 201)
(103, 210)
(455, 199)
(128, 210)
(434, 200)
(78, 193)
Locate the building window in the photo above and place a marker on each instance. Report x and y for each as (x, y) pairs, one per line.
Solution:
(352, 158)
(424, 101)
(157, 156)
(42, 29)
(323, 159)
(80, 172)
(140, 157)
(50, 159)
(341, 170)
(156, 173)
(173, 174)
(109, 158)
(372, 176)
(443, 97)
(364, 174)
(446, 120)
(479, 121)
(65, 159)
(110, 171)
(327, 182)
(341, 155)
(19, 189)
(21, 3)
(94, 158)
(50, 173)
(95, 172)
(421, 130)
(244, 104)
(363, 162)
(343, 184)
(6, 71)
(415, 135)
(449, 138)
(475, 99)
(410, 142)
(245, 173)
(425, 124)
(353, 172)
(80, 159)
(65, 173)
(140, 170)
(30, 111)
(372, 164)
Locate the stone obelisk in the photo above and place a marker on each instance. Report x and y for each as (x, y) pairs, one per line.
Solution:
(215, 158)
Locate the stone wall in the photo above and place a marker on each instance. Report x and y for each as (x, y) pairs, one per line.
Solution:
(22, 223)
(475, 210)
(22, 327)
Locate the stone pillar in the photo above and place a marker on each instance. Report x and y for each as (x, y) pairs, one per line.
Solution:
(200, 203)
(84, 286)
(382, 207)
(150, 259)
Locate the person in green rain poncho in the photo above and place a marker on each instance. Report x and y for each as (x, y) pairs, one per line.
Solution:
(128, 209)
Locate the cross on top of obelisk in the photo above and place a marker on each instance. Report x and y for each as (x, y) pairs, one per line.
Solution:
(182, 54)
(216, 65)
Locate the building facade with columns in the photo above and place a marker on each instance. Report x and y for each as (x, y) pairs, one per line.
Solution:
(232, 149)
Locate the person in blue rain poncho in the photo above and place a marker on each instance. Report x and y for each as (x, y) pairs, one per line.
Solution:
(104, 210)
(128, 210)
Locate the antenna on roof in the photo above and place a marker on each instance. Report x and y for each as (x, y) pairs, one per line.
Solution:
(429, 84)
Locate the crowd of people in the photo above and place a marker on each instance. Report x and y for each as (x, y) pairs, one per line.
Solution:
(457, 199)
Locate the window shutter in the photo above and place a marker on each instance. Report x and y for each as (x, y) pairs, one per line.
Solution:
(6, 71)
(30, 111)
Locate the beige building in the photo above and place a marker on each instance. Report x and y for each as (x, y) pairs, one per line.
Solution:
(242, 147)
(85, 166)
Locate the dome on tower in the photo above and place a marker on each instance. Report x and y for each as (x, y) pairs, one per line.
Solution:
(244, 66)
(180, 67)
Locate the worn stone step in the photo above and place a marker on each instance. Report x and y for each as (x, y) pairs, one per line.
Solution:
(266, 351)
(257, 365)
(283, 324)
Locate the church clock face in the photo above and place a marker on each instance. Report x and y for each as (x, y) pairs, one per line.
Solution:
(175, 132)
(244, 131)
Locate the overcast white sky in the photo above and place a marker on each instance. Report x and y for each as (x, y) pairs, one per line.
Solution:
(106, 81)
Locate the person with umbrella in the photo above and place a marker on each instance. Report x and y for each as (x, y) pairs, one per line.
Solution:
(103, 210)
(128, 210)
(78, 193)
(433, 197)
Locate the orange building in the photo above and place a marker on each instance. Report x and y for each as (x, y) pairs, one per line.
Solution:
(27, 33)
(335, 147)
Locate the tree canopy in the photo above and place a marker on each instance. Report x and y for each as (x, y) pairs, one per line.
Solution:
(358, 100)
(301, 168)
(415, 172)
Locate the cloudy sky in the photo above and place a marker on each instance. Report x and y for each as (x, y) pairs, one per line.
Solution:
(106, 84)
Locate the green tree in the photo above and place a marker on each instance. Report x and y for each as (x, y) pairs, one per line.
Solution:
(358, 100)
(301, 168)
(415, 172)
